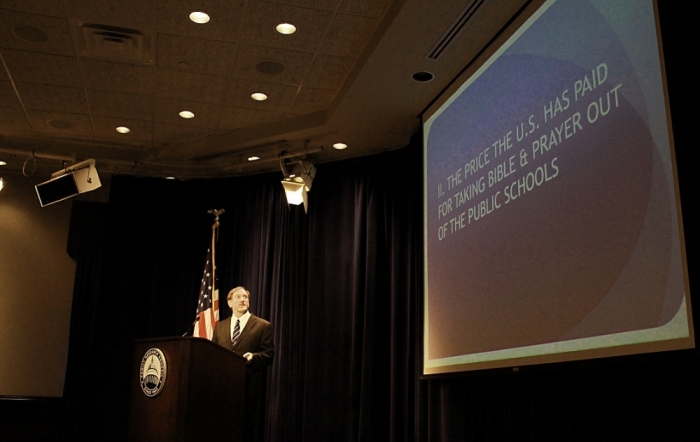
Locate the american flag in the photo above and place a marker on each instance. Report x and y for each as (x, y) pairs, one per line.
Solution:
(208, 304)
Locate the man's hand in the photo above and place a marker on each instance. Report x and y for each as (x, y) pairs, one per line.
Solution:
(249, 357)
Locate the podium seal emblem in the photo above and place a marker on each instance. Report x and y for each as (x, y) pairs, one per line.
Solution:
(154, 370)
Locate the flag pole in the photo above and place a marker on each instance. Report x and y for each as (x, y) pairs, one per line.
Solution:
(214, 238)
(208, 303)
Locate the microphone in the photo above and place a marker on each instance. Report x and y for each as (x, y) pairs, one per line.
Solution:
(190, 327)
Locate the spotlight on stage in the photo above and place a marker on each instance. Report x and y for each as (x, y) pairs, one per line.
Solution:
(297, 182)
(69, 182)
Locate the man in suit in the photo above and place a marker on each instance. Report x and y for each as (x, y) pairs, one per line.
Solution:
(251, 337)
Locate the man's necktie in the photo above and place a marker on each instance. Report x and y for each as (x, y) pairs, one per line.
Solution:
(236, 333)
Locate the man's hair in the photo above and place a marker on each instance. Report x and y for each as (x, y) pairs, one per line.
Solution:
(230, 294)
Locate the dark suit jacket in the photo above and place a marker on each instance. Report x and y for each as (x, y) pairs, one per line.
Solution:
(256, 338)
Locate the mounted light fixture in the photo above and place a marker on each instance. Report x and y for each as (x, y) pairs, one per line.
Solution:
(297, 182)
(69, 182)
(2, 184)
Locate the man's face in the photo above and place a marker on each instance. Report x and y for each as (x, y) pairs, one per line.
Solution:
(239, 302)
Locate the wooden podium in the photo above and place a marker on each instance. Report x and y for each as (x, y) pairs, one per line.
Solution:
(202, 397)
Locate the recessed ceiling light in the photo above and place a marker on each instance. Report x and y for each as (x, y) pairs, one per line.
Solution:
(258, 96)
(186, 114)
(422, 77)
(199, 17)
(286, 28)
(2, 163)
(253, 158)
(169, 177)
(123, 130)
(340, 146)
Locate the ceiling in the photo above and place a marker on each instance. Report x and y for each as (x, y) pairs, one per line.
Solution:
(75, 70)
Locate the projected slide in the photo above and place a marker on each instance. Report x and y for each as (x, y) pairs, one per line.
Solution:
(551, 224)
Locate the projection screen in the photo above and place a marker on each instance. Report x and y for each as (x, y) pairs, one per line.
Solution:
(552, 219)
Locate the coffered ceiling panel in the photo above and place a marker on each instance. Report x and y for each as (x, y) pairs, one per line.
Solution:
(170, 133)
(205, 114)
(13, 120)
(367, 8)
(34, 67)
(46, 122)
(280, 97)
(190, 86)
(342, 38)
(195, 55)
(237, 117)
(312, 100)
(38, 33)
(328, 72)
(42, 7)
(272, 65)
(73, 71)
(8, 97)
(140, 131)
(134, 14)
(52, 98)
(117, 77)
(121, 105)
(227, 17)
(262, 18)
(324, 5)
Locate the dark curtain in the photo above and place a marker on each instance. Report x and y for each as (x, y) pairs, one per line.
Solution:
(339, 285)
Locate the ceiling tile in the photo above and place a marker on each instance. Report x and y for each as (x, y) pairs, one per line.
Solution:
(367, 8)
(105, 129)
(279, 97)
(348, 35)
(117, 77)
(120, 105)
(296, 64)
(171, 133)
(226, 17)
(12, 118)
(325, 5)
(8, 97)
(328, 72)
(236, 117)
(195, 54)
(42, 68)
(263, 17)
(51, 123)
(205, 114)
(133, 14)
(55, 30)
(189, 86)
(311, 100)
(52, 8)
(52, 98)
